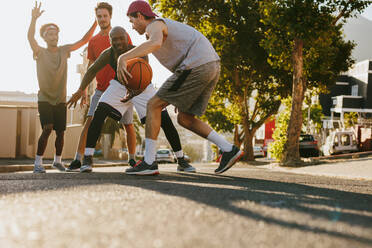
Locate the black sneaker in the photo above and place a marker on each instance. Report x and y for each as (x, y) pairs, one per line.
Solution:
(228, 159)
(74, 166)
(184, 166)
(87, 164)
(132, 162)
(143, 168)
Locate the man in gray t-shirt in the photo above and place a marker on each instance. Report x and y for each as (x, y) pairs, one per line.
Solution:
(196, 68)
(51, 65)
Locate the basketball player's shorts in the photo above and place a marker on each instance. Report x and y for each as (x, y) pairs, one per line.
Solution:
(53, 114)
(190, 90)
(116, 91)
(126, 119)
(140, 101)
(112, 96)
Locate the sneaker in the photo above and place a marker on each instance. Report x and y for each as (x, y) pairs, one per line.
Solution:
(58, 166)
(87, 164)
(184, 166)
(39, 169)
(74, 166)
(143, 168)
(132, 162)
(228, 159)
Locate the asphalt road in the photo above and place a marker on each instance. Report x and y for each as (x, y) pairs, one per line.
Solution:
(244, 207)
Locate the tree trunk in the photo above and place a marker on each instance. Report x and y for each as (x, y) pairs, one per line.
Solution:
(291, 154)
(248, 142)
(237, 136)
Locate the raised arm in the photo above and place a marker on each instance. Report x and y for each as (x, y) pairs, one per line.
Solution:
(92, 71)
(155, 41)
(85, 38)
(36, 13)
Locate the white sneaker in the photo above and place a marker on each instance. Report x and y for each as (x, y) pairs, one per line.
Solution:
(58, 166)
(184, 166)
(39, 168)
(87, 164)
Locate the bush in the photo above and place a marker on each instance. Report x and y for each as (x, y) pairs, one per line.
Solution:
(280, 133)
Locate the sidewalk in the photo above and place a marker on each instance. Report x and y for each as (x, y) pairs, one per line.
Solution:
(17, 165)
(356, 167)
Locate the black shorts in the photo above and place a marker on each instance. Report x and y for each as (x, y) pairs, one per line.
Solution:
(53, 114)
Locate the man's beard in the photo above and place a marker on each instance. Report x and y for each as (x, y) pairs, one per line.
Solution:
(105, 26)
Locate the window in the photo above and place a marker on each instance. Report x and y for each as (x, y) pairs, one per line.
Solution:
(345, 139)
(354, 90)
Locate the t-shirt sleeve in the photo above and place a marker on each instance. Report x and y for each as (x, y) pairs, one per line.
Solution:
(66, 50)
(129, 40)
(91, 55)
(40, 53)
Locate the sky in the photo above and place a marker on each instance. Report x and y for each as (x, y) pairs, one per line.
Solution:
(74, 17)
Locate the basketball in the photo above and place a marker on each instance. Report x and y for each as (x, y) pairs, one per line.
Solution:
(141, 74)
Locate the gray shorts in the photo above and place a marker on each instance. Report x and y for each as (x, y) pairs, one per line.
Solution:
(190, 90)
(127, 117)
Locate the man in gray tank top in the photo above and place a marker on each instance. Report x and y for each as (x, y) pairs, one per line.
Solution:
(51, 65)
(195, 65)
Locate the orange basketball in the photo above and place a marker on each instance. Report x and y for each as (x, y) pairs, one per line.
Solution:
(141, 74)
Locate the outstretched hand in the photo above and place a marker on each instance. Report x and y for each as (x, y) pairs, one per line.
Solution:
(75, 97)
(83, 100)
(36, 12)
(122, 71)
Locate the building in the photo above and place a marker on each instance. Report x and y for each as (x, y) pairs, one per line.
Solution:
(351, 93)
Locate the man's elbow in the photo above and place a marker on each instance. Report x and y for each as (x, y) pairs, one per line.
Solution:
(155, 46)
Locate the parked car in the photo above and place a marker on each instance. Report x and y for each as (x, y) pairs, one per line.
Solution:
(308, 146)
(258, 151)
(165, 156)
(340, 142)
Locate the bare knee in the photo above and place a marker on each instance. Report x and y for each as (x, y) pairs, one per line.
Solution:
(156, 103)
(185, 120)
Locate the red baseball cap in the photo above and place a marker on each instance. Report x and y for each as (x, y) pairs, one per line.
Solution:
(141, 6)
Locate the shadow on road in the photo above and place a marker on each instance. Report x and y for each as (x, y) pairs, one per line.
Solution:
(223, 192)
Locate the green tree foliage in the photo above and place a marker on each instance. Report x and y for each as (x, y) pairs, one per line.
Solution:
(193, 152)
(276, 148)
(316, 112)
(247, 92)
(350, 119)
(316, 116)
(304, 37)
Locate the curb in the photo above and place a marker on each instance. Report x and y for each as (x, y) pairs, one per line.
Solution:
(342, 156)
(18, 168)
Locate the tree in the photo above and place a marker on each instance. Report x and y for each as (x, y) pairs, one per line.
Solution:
(350, 119)
(304, 37)
(276, 148)
(247, 92)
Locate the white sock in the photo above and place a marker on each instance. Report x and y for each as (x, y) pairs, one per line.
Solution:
(132, 156)
(38, 160)
(57, 159)
(179, 154)
(150, 150)
(89, 151)
(78, 156)
(220, 141)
